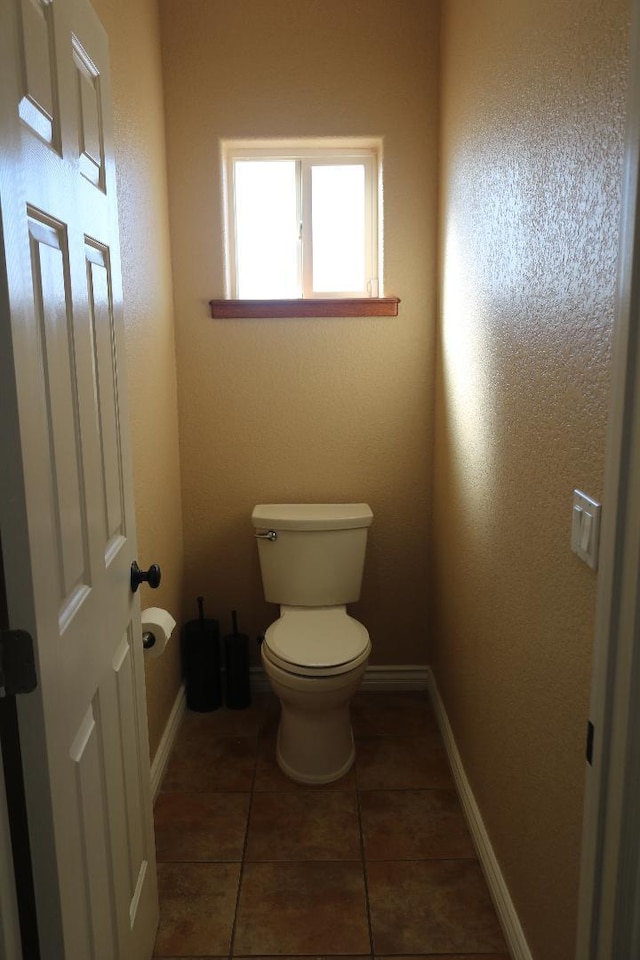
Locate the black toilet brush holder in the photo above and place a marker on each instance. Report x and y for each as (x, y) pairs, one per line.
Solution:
(201, 653)
(236, 655)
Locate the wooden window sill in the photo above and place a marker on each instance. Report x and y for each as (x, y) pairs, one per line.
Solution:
(355, 307)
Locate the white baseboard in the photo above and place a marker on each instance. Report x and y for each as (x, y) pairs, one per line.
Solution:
(167, 740)
(409, 677)
(503, 903)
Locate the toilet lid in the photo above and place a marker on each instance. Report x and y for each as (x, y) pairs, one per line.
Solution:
(317, 638)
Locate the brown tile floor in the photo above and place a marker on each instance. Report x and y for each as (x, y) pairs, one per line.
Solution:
(376, 865)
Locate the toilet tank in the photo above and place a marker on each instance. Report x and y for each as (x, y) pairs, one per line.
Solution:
(317, 557)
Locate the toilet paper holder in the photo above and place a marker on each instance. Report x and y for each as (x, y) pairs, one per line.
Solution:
(157, 628)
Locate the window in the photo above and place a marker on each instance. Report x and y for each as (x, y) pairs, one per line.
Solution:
(302, 219)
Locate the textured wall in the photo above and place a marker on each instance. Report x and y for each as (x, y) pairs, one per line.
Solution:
(532, 107)
(305, 410)
(142, 199)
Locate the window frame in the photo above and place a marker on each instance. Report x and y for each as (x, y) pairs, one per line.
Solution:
(307, 153)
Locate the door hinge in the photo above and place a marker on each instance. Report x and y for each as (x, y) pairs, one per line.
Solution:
(590, 743)
(17, 663)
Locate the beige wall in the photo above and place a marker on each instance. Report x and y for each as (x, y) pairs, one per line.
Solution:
(305, 410)
(142, 197)
(532, 105)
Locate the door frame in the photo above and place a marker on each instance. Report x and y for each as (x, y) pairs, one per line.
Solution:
(609, 904)
(10, 946)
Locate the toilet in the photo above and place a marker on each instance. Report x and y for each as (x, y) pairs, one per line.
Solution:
(314, 654)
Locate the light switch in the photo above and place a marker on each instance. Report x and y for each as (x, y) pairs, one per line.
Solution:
(585, 528)
(585, 539)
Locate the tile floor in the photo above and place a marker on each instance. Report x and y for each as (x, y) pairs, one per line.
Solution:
(377, 865)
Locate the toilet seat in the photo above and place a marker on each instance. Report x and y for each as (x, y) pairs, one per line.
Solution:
(316, 641)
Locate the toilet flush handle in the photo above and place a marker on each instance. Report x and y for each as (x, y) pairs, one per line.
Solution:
(269, 535)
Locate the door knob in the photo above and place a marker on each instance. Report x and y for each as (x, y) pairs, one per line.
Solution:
(151, 576)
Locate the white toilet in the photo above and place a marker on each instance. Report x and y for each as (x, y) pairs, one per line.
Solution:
(315, 654)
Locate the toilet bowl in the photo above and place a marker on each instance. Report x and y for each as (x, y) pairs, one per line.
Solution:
(315, 659)
(315, 654)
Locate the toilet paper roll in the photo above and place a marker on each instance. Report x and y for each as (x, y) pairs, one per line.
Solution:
(160, 624)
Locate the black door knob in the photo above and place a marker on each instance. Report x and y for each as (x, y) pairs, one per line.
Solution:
(151, 576)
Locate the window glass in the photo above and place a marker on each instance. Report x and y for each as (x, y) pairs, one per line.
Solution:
(267, 227)
(338, 227)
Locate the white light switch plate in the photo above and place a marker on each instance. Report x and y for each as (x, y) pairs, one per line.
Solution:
(585, 528)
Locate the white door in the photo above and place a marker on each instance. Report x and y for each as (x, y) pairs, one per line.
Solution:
(66, 517)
